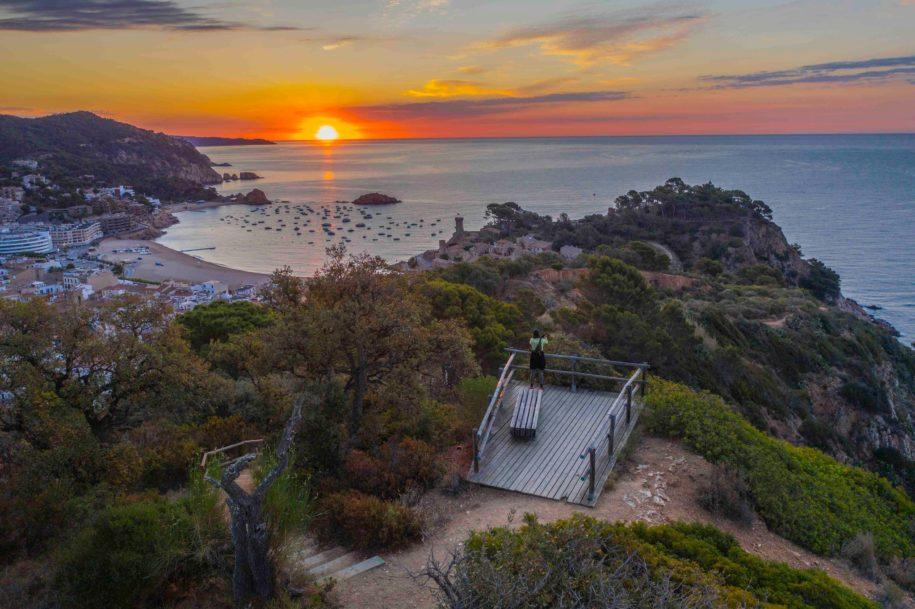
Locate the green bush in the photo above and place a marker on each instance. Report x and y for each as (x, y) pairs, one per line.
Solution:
(366, 522)
(585, 562)
(801, 493)
(128, 556)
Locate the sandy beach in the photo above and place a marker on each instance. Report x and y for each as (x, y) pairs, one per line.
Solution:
(173, 264)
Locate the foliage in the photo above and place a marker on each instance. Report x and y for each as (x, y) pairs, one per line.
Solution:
(800, 493)
(289, 504)
(216, 321)
(492, 323)
(396, 468)
(586, 562)
(822, 281)
(129, 555)
(366, 522)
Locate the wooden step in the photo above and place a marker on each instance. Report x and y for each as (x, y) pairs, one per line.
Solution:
(353, 570)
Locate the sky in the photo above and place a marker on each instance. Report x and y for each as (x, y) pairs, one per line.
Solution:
(280, 69)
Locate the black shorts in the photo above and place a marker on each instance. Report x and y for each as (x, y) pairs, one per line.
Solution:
(538, 360)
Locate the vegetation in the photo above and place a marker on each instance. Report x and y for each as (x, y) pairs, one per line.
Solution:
(585, 562)
(800, 493)
(81, 143)
(106, 409)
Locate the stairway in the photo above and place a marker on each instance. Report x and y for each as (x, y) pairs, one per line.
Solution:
(335, 563)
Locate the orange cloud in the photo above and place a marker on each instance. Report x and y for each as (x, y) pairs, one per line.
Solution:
(456, 88)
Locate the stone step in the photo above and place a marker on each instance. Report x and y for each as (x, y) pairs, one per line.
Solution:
(321, 557)
(341, 562)
(353, 570)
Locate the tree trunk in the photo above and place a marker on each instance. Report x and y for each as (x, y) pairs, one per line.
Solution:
(253, 573)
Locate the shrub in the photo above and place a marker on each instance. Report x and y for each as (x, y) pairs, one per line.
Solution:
(288, 506)
(822, 281)
(861, 553)
(366, 522)
(707, 266)
(584, 562)
(727, 495)
(801, 493)
(398, 467)
(128, 555)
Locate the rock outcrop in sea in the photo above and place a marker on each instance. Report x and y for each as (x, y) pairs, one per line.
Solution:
(376, 198)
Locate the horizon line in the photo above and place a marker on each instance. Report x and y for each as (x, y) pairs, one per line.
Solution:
(561, 137)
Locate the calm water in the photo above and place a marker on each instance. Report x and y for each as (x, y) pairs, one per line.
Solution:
(848, 200)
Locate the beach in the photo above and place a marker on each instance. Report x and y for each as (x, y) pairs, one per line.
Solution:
(173, 265)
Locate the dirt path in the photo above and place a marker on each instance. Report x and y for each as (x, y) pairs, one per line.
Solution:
(658, 484)
(676, 266)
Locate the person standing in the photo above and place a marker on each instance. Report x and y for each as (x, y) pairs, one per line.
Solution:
(538, 358)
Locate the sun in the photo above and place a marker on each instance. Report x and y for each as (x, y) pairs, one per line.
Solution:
(326, 133)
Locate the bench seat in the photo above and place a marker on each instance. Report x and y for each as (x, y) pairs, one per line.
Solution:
(526, 414)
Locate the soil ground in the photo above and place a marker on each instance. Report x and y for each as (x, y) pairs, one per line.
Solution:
(658, 483)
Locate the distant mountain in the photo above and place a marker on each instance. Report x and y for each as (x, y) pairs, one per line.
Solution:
(67, 146)
(203, 141)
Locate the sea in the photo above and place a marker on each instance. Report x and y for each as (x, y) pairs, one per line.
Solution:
(848, 200)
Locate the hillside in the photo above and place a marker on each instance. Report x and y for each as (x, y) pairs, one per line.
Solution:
(67, 146)
(204, 141)
(747, 317)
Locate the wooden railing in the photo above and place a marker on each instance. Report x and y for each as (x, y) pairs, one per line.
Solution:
(481, 436)
(218, 451)
(635, 380)
(617, 421)
(575, 372)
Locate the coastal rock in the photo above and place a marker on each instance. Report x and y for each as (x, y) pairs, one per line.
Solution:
(248, 175)
(256, 197)
(376, 198)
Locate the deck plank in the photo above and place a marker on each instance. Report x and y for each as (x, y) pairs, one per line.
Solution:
(550, 463)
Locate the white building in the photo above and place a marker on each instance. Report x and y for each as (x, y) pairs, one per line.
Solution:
(210, 289)
(66, 235)
(20, 240)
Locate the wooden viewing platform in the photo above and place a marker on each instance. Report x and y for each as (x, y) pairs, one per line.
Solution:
(579, 434)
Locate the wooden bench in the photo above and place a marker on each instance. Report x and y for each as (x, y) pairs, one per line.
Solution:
(527, 412)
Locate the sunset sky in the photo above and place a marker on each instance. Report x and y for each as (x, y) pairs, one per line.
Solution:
(451, 68)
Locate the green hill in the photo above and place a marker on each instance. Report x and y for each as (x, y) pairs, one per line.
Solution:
(71, 145)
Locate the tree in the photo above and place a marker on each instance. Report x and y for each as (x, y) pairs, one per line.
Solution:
(216, 321)
(253, 573)
(360, 321)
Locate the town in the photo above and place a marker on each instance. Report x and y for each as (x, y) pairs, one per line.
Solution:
(52, 249)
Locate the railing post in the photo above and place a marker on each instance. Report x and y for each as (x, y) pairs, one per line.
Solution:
(476, 454)
(574, 375)
(591, 473)
(644, 383)
(611, 436)
(628, 403)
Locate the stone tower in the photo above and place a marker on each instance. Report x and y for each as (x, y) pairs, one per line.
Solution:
(458, 226)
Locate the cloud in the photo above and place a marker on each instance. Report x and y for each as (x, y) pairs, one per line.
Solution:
(472, 70)
(455, 88)
(867, 70)
(616, 38)
(75, 15)
(471, 108)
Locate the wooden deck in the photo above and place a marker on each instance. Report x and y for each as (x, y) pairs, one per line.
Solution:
(556, 463)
